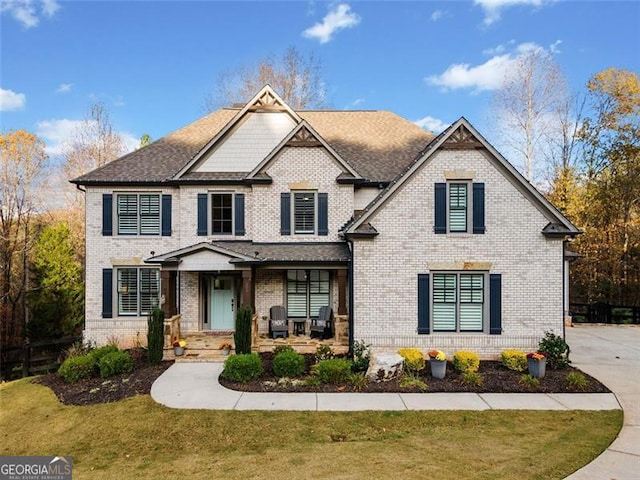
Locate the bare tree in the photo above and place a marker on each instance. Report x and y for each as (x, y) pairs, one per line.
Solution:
(22, 166)
(296, 78)
(530, 108)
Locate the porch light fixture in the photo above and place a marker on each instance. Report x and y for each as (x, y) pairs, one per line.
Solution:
(216, 283)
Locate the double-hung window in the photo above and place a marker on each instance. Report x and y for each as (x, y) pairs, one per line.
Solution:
(138, 290)
(304, 212)
(458, 302)
(458, 207)
(307, 292)
(138, 214)
(221, 213)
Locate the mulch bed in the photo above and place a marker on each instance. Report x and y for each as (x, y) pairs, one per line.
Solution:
(105, 390)
(495, 379)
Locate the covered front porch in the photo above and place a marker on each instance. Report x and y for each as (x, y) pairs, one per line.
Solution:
(206, 283)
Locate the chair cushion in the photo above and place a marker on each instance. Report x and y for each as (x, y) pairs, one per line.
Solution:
(278, 323)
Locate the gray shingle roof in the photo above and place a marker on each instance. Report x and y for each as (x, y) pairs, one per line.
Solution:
(290, 252)
(377, 144)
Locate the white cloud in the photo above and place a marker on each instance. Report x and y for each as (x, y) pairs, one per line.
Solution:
(26, 12)
(337, 19)
(58, 134)
(437, 15)
(64, 88)
(434, 125)
(493, 8)
(486, 76)
(10, 100)
(353, 104)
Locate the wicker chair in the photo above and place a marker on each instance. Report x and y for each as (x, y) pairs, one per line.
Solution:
(323, 325)
(278, 322)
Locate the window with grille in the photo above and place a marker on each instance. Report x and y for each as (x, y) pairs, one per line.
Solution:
(138, 214)
(138, 290)
(304, 212)
(307, 292)
(221, 213)
(458, 302)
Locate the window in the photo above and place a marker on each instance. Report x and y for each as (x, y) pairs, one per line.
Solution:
(458, 302)
(458, 204)
(307, 292)
(304, 212)
(138, 290)
(221, 213)
(138, 214)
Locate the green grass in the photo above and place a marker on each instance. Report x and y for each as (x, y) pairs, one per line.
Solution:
(137, 438)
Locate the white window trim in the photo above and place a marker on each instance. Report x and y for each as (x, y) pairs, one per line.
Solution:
(116, 296)
(293, 212)
(485, 303)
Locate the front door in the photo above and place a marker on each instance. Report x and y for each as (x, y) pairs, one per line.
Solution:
(222, 304)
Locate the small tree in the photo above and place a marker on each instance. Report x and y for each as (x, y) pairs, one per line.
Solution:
(242, 335)
(155, 335)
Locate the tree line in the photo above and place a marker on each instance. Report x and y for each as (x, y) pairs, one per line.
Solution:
(582, 150)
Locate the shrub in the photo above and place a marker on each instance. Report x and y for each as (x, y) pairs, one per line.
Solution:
(529, 381)
(359, 381)
(242, 335)
(97, 353)
(361, 356)
(242, 367)
(77, 349)
(155, 335)
(413, 359)
(411, 380)
(333, 370)
(323, 352)
(282, 348)
(471, 378)
(514, 360)
(74, 369)
(577, 381)
(466, 361)
(288, 364)
(556, 350)
(115, 362)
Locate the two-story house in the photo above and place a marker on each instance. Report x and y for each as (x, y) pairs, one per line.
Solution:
(413, 241)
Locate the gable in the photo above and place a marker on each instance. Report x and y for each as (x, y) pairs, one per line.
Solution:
(462, 137)
(244, 147)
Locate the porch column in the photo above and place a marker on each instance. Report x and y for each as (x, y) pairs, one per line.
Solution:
(248, 297)
(168, 291)
(342, 292)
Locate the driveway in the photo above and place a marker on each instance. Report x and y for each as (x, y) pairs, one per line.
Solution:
(611, 354)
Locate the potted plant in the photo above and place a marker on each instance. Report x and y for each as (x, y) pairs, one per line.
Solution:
(178, 347)
(437, 363)
(537, 363)
(225, 348)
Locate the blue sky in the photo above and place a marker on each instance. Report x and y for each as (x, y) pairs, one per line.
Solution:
(153, 62)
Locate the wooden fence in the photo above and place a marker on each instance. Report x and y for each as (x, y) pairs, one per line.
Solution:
(600, 312)
(33, 358)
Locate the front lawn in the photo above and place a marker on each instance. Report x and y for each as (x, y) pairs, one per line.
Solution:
(137, 438)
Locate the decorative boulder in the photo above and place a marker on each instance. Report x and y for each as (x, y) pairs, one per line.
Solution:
(385, 367)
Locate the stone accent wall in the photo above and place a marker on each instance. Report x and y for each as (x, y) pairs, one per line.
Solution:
(386, 267)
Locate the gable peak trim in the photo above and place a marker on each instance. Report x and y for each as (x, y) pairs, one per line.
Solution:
(461, 138)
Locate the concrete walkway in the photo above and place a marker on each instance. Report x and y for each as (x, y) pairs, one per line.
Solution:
(609, 353)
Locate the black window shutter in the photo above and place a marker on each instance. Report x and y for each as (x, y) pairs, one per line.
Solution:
(478, 208)
(423, 303)
(107, 214)
(495, 304)
(166, 215)
(440, 214)
(323, 214)
(285, 214)
(239, 214)
(107, 293)
(202, 214)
